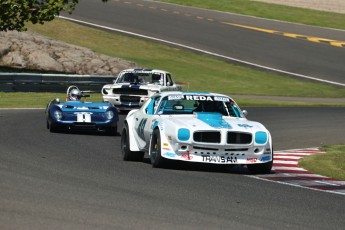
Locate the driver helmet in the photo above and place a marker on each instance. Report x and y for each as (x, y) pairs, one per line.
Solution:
(75, 95)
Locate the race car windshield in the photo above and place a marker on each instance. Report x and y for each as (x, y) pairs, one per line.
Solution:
(141, 78)
(189, 104)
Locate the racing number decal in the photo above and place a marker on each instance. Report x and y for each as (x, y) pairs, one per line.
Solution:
(141, 128)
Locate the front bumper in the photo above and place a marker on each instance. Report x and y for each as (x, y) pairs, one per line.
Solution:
(235, 155)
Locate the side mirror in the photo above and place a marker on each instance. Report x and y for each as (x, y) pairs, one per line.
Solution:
(245, 112)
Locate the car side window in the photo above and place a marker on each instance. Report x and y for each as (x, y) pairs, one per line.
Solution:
(169, 80)
(152, 106)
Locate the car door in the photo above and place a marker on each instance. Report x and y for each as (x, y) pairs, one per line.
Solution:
(145, 121)
(171, 85)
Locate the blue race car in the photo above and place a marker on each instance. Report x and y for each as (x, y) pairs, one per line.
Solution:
(80, 115)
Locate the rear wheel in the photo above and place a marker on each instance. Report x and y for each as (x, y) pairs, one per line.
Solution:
(127, 154)
(157, 160)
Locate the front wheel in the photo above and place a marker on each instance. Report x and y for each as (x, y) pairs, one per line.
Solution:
(156, 158)
(127, 154)
(264, 168)
(112, 131)
(51, 127)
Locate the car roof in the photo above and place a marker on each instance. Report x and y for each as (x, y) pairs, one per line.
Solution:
(167, 93)
(144, 70)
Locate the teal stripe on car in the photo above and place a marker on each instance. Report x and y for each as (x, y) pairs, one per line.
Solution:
(214, 120)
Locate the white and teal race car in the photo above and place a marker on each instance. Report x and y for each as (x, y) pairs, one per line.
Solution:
(196, 127)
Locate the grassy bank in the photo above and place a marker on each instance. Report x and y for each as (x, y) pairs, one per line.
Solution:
(194, 71)
(330, 164)
(272, 11)
(35, 100)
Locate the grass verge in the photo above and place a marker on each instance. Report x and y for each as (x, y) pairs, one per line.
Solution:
(330, 164)
(35, 100)
(193, 70)
(271, 11)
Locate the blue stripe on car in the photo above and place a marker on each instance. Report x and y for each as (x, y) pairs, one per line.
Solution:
(131, 86)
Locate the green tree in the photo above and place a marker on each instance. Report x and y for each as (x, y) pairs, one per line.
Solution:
(14, 14)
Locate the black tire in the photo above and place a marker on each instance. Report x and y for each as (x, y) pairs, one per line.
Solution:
(112, 131)
(127, 154)
(264, 168)
(51, 127)
(156, 158)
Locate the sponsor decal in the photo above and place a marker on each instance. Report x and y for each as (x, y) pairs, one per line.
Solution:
(198, 98)
(165, 144)
(245, 126)
(252, 160)
(186, 156)
(175, 97)
(266, 158)
(166, 149)
(205, 98)
(226, 99)
(82, 108)
(169, 154)
(219, 159)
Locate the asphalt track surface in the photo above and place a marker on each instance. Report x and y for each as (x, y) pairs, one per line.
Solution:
(78, 181)
(283, 46)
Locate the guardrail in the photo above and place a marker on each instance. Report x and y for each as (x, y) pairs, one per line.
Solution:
(30, 82)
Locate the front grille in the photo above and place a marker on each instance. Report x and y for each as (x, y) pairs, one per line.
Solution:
(205, 148)
(209, 137)
(239, 138)
(132, 91)
(84, 125)
(125, 98)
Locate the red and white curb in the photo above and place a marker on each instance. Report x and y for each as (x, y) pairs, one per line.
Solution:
(285, 170)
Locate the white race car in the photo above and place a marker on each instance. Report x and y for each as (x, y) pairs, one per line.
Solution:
(196, 127)
(133, 87)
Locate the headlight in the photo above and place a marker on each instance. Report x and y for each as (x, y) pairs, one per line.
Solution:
(58, 114)
(109, 114)
(183, 134)
(260, 137)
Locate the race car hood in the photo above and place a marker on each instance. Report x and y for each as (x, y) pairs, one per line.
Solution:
(151, 87)
(215, 121)
(83, 106)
